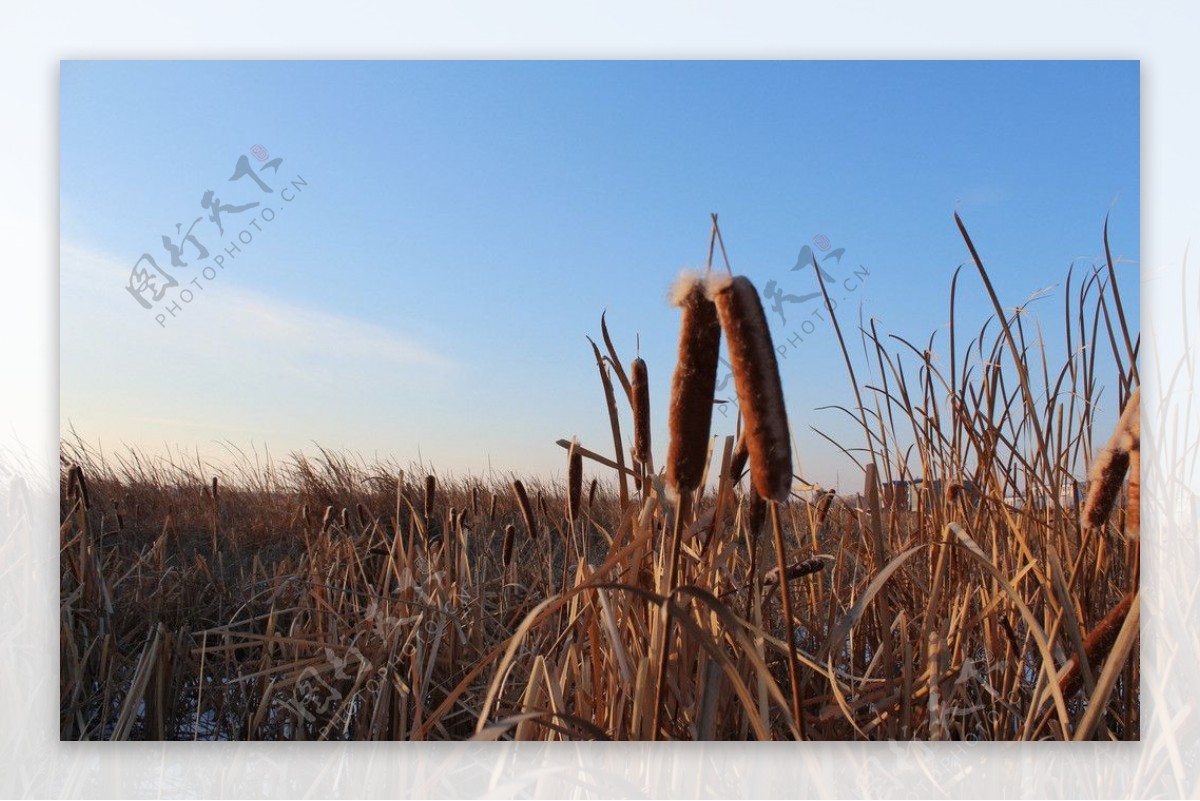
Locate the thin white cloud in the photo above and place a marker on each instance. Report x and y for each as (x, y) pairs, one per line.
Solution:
(231, 363)
(226, 315)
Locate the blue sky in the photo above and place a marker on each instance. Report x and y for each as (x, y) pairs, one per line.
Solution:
(458, 227)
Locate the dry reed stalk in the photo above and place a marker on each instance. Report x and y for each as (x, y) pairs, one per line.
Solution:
(1108, 470)
(759, 390)
(693, 384)
(526, 508)
(614, 423)
(574, 482)
(640, 393)
(430, 495)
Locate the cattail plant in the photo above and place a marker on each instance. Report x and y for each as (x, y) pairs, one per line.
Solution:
(690, 421)
(760, 396)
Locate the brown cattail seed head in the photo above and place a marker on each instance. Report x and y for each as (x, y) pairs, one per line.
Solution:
(77, 485)
(1108, 470)
(510, 533)
(430, 494)
(741, 454)
(526, 508)
(592, 493)
(756, 375)
(640, 391)
(823, 505)
(758, 514)
(1097, 646)
(693, 385)
(794, 571)
(574, 481)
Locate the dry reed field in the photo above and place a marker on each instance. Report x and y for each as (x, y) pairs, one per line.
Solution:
(706, 597)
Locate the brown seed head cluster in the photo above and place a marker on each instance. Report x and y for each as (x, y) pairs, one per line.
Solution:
(693, 385)
(510, 534)
(1108, 471)
(526, 508)
(574, 481)
(640, 391)
(756, 375)
(430, 495)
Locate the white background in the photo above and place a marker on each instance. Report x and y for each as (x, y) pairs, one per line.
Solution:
(34, 38)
